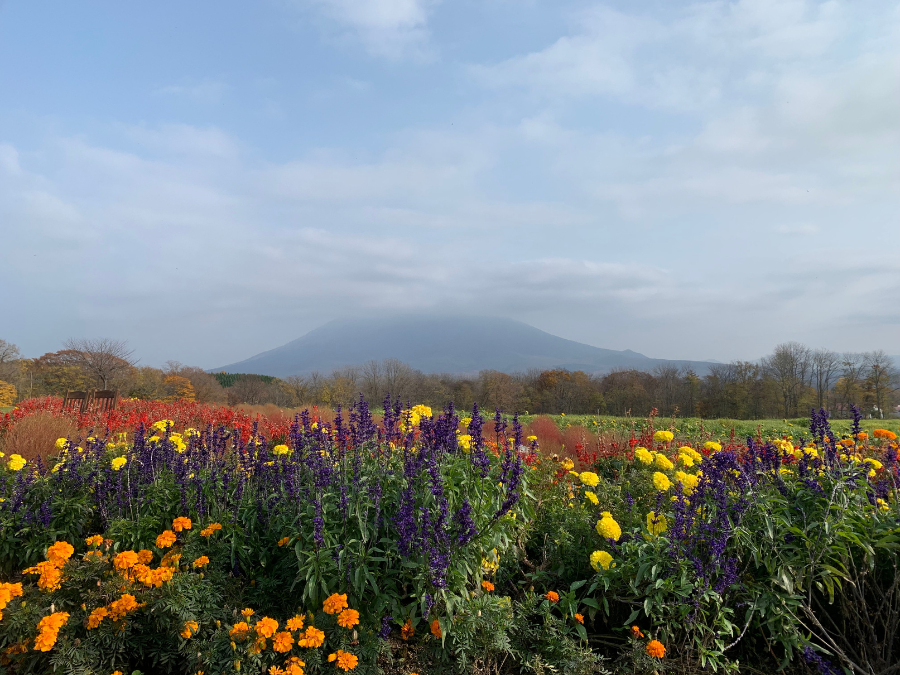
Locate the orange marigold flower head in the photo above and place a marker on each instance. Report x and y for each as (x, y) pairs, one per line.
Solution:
(95, 618)
(487, 586)
(283, 642)
(8, 592)
(166, 539)
(862, 435)
(239, 631)
(344, 660)
(181, 523)
(312, 637)
(144, 556)
(60, 552)
(275, 670)
(579, 618)
(407, 631)
(266, 627)
(258, 645)
(436, 629)
(636, 632)
(283, 541)
(201, 561)
(334, 603)
(125, 560)
(884, 433)
(295, 623)
(552, 596)
(246, 612)
(348, 618)
(95, 540)
(122, 606)
(189, 630)
(656, 648)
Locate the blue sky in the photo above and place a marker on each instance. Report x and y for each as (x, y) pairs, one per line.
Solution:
(689, 180)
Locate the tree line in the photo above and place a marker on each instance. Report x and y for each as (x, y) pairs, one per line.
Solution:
(786, 383)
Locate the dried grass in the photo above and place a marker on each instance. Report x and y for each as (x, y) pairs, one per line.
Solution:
(35, 436)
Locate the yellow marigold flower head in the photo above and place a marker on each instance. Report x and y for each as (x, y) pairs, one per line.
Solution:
(656, 524)
(663, 462)
(118, 463)
(283, 642)
(690, 452)
(281, 449)
(600, 559)
(712, 446)
(591, 497)
(348, 618)
(687, 460)
(874, 462)
(567, 464)
(687, 480)
(61, 443)
(166, 539)
(661, 482)
(334, 603)
(266, 627)
(189, 629)
(643, 455)
(663, 436)
(607, 527)
(16, 462)
(589, 478)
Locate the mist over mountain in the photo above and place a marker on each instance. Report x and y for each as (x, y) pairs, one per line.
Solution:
(441, 344)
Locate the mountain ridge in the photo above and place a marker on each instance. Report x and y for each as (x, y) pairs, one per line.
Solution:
(460, 345)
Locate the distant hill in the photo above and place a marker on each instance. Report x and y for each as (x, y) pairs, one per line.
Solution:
(432, 344)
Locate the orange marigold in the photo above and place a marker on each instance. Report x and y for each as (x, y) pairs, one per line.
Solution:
(407, 631)
(60, 552)
(145, 556)
(334, 603)
(166, 539)
(95, 540)
(348, 618)
(487, 586)
(344, 660)
(656, 648)
(189, 630)
(181, 523)
(295, 623)
(436, 629)
(552, 596)
(579, 618)
(201, 561)
(95, 618)
(209, 529)
(266, 627)
(636, 632)
(283, 541)
(283, 642)
(125, 560)
(122, 606)
(239, 631)
(312, 637)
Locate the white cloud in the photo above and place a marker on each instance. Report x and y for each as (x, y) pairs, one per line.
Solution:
(386, 28)
(205, 91)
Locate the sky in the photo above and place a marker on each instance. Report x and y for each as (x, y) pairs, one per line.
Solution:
(211, 179)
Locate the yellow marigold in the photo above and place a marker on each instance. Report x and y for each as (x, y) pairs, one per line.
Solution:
(712, 446)
(607, 527)
(348, 618)
(661, 482)
(95, 618)
(487, 586)
(567, 464)
(166, 539)
(312, 638)
(16, 462)
(125, 560)
(874, 462)
(643, 455)
(436, 629)
(690, 452)
(189, 630)
(591, 497)
(281, 450)
(60, 552)
(663, 462)
(334, 603)
(118, 463)
(464, 441)
(656, 524)
(687, 460)
(688, 481)
(266, 627)
(283, 541)
(181, 523)
(283, 642)
(94, 540)
(600, 559)
(201, 561)
(295, 623)
(589, 478)
(663, 436)
(344, 660)
(656, 649)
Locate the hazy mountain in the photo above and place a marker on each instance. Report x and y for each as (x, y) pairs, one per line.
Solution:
(458, 345)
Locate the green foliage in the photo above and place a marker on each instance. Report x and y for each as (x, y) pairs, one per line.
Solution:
(231, 379)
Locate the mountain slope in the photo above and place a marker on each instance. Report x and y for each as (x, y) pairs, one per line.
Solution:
(432, 344)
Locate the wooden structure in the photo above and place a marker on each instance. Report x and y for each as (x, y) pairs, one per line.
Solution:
(104, 399)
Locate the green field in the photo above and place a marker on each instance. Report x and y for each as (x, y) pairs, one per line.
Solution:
(719, 428)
